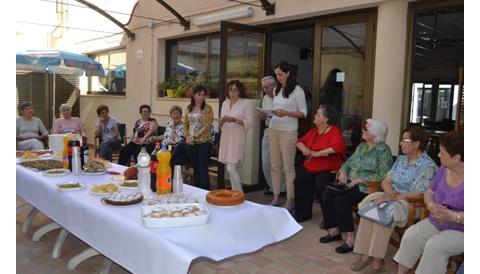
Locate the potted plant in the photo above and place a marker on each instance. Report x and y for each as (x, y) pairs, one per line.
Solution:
(167, 87)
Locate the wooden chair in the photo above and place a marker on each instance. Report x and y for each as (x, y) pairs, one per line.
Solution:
(122, 128)
(418, 204)
(213, 162)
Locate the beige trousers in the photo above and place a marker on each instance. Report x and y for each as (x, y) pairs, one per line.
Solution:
(424, 239)
(372, 239)
(282, 151)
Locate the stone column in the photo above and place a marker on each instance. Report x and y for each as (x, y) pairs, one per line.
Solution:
(390, 67)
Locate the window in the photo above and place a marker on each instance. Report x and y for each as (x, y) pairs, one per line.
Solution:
(195, 60)
(114, 82)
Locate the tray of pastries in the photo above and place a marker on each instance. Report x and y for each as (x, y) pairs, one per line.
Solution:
(174, 215)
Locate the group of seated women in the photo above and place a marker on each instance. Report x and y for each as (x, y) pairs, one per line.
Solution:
(413, 175)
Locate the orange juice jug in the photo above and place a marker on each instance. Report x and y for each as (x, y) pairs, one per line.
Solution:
(164, 171)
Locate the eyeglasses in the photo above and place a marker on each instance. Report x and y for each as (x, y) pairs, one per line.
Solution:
(406, 140)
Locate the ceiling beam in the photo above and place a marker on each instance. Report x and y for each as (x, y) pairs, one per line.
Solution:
(129, 33)
(185, 23)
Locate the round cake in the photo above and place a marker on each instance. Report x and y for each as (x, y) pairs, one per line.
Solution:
(124, 198)
(225, 197)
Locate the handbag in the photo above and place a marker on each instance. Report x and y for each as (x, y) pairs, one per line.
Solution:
(338, 188)
(381, 214)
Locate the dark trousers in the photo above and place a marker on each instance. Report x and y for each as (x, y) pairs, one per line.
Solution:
(199, 155)
(307, 185)
(131, 149)
(337, 208)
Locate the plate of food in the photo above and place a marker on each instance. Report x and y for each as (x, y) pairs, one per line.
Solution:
(41, 165)
(120, 178)
(88, 172)
(94, 167)
(104, 189)
(69, 186)
(56, 172)
(123, 198)
(129, 184)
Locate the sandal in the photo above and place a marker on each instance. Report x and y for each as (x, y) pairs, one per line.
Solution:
(360, 265)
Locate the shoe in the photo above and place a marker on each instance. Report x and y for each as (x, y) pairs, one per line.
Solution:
(371, 270)
(330, 238)
(321, 225)
(268, 193)
(360, 265)
(344, 248)
(283, 194)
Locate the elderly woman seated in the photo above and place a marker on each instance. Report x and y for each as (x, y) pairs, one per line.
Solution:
(144, 128)
(439, 236)
(408, 178)
(106, 127)
(172, 136)
(323, 146)
(31, 133)
(68, 123)
(370, 162)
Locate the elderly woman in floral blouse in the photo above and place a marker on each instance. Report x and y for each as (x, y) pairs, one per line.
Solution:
(370, 162)
(408, 178)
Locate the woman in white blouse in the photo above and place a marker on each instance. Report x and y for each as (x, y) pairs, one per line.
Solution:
(288, 106)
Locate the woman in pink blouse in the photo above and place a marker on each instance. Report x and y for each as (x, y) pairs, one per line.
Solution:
(68, 124)
(235, 119)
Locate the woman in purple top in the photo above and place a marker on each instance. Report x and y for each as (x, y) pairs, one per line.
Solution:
(441, 235)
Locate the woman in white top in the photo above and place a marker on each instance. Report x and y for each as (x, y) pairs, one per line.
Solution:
(288, 106)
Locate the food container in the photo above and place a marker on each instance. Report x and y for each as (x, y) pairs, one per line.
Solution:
(152, 222)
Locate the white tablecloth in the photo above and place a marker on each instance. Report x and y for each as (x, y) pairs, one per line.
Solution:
(118, 233)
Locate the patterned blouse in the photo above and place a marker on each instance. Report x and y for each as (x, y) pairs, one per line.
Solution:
(370, 164)
(142, 128)
(412, 178)
(173, 135)
(199, 125)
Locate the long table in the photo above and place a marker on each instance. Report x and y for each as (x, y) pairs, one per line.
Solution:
(118, 233)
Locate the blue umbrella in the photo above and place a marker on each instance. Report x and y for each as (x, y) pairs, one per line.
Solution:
(58, 62)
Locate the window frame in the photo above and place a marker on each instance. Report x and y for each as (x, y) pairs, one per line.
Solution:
(107, 52)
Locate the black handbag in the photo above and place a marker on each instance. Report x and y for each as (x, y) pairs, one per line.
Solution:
(338, 188)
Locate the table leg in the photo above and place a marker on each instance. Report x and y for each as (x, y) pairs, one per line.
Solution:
(28, 221)
(87, 253)
(107, 265)
(57, 248)
(44, 230)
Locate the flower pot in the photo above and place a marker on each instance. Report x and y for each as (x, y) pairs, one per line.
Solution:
(171, 92)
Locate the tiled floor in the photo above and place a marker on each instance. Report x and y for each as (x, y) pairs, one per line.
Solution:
(301, 253)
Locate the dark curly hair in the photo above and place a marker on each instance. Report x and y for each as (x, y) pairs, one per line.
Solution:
(291, 80)
(240, 87)
(453, 143)
(100, 108)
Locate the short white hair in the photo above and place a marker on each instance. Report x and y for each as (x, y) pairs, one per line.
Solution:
(64, 107)
(270, 80)
(378, 128)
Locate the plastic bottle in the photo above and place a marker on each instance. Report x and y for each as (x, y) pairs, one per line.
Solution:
(164, 171)
(143, 165)
(153, 167)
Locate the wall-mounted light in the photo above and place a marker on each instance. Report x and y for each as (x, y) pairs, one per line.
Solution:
(226, 15)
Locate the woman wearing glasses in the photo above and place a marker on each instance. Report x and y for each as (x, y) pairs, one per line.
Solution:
(68, 123)
(370, 162)
(408, 178)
